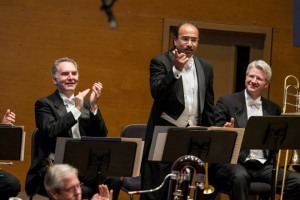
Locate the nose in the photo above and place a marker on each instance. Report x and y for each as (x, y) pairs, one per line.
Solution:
(254, 79)
(70, 76)
(189, 43)
(77, 191)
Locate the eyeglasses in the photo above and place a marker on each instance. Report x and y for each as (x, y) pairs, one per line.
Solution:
(73, 188)
(186, 39)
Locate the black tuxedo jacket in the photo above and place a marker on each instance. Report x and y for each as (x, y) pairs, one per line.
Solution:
(168, 95)
(52, 121)
(234, 105)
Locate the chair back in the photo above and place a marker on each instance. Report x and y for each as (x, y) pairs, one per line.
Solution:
(34, 141)
(134, 131)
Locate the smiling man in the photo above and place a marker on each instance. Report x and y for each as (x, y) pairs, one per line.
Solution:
(62, 114)
(62, 183)
(182, 88)
(234, 110)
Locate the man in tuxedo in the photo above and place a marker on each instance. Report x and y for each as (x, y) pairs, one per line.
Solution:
(62, 183)
(9, 184)
(182, 88)
(234, 110)
(62, 114)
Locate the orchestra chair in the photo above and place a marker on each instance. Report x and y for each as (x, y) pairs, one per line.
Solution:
(34, 153)
(133, 131)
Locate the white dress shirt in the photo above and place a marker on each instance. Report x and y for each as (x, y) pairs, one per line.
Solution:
(70, 106)
(254, 108)
(189, 117)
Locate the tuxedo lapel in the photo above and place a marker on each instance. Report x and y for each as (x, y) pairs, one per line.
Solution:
(59, 105)
(267, 111)
(240, 110)
(201, 83)
(60, 108)
(178, 84)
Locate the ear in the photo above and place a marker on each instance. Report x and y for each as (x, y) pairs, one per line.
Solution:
(175, 40)
(267, 85)
(54, 80)
(54, 194)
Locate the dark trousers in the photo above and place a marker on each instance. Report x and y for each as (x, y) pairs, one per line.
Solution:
(236, 179)
(152, 175)
(9, 185)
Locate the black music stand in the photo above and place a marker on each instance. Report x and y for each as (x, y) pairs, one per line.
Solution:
(273, 133)
(98, 156)
(211, 146)
(12, 143)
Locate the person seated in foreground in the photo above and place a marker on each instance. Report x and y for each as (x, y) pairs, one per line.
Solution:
(62, 183)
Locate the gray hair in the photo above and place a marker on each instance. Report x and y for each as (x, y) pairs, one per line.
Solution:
(262, 65)
(55, 176)
(60, 60)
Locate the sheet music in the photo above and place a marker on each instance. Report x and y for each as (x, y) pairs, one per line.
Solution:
(160, 134)
(138, 154)
(23, 145)
(22, 142)
(238, 142)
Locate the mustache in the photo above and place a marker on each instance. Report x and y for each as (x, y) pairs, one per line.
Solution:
(188, 48)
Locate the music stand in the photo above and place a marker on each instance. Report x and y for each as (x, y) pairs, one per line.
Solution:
(273, 133)
(208, 145)
(12, 143)
(101, 156)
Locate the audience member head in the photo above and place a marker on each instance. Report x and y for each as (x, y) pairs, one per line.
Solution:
(65, 75)
(258, 76)
(61, 182)
(186, 38)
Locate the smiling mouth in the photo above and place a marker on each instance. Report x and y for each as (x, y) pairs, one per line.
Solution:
(253, 86)
(70, 84)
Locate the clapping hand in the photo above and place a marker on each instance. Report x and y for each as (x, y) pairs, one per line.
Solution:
(96, 92)
(9, 117)
(104, 193)
(79, 99)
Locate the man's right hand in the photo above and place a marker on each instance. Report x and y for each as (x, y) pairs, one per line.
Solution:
(230, 124)
(79, 99)
(104, 193)
(179, 60)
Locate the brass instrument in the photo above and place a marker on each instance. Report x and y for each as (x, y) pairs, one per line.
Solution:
(179, 187)
(181, 177)
(291, 91)
(208, 189)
